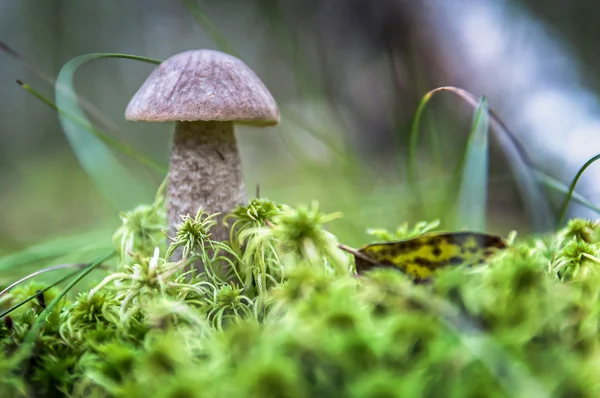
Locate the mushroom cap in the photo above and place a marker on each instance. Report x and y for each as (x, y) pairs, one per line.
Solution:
(203, 85)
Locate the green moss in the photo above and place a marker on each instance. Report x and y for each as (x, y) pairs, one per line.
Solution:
(292, 320)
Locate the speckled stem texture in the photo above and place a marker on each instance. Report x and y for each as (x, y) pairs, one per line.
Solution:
(205, 170)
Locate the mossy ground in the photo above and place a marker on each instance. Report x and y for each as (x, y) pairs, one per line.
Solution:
(290, 319)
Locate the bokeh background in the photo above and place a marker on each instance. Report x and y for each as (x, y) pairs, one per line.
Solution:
(348, 76)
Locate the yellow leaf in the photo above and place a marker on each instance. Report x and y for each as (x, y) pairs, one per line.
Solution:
(419, 257)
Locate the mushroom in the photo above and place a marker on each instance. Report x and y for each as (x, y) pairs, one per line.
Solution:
(204, 92)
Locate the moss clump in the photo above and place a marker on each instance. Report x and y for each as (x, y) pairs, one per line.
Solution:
(277, 312)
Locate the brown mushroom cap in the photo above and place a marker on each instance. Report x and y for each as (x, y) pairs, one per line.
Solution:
(203, 85)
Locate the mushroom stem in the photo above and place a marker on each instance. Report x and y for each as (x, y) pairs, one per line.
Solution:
(204, 171)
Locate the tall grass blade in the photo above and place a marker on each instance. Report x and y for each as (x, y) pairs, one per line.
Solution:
(107, 139)
(472, 194)
(37, 273)
(114, 143)
(555, 185)
(28, 299)
(412, 167)
(32, 334)
(87, 242)
(536, 203)
(112, 179)
(570, 192)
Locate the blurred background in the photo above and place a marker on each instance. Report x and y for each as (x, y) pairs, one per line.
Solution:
(348, 76)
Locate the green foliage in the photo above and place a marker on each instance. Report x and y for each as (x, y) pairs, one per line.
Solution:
(277, 312)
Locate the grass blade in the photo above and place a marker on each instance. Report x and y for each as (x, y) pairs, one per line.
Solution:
(536, 203)
(111, 178)
(412, 168)
(472, 194)
(28, 299)
(116, 144)
(52, 249)
(555, 185)
(565, 206)
(37, 326)
(107, 139)
(39, 272)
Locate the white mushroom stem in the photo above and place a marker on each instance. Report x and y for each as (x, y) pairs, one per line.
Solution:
(204, 171)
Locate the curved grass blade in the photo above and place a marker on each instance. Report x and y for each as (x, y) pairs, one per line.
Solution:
(32, 334)
(112, 179)
(116, 144)
(33, 296)
(472, 194)
(52, 249)
(536, 203)
(556, 185)
(412, 149)
(39, 272)
(107, 139)
(565, 206)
